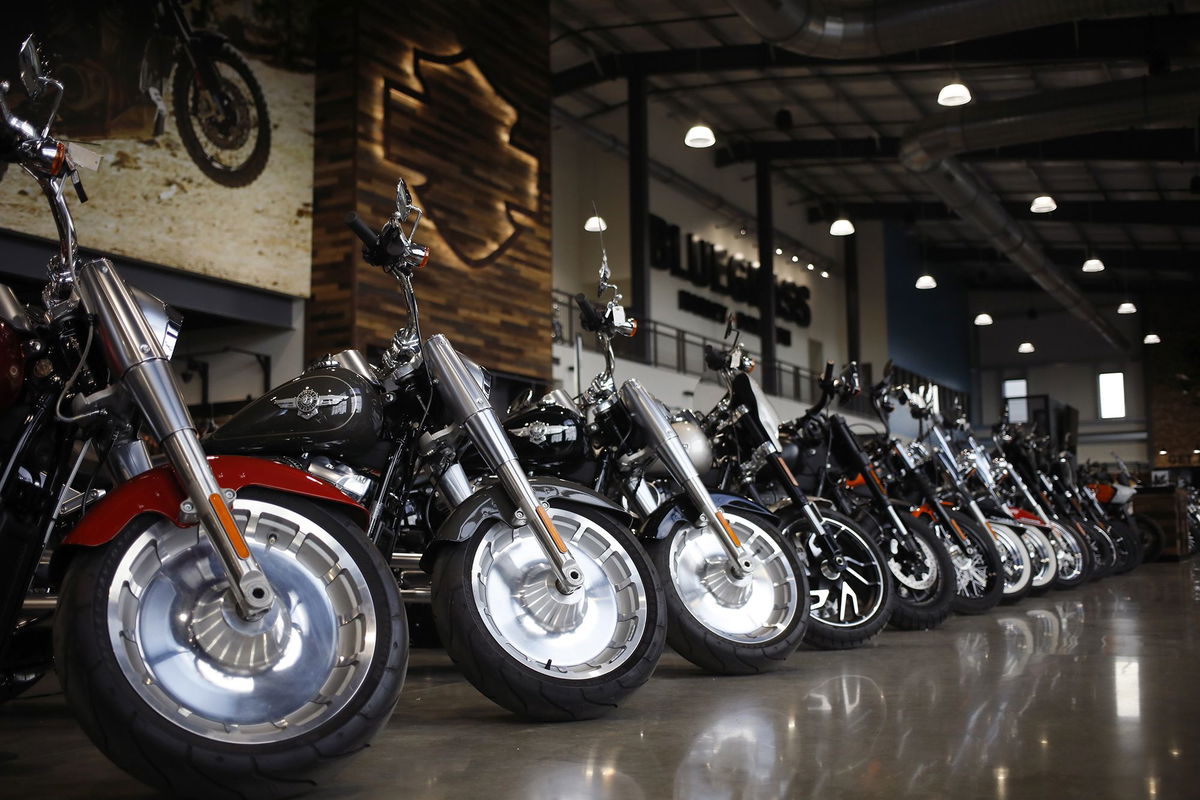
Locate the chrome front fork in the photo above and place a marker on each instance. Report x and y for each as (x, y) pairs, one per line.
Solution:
(474, 413)
(649, 414)
(142, 365)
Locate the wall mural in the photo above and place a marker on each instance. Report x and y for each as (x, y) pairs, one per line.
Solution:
(214, 183)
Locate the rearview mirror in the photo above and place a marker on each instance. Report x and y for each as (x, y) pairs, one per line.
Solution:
(403, 200)
(31, 68)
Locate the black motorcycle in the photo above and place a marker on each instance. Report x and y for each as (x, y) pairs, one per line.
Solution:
(539, 591)
(835, 460)
(736, 591)
(852, 596)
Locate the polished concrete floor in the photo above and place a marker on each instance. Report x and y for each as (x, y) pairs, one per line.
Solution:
(1093, 693)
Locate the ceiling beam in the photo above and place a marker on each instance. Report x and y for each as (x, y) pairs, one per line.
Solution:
(1167, 144)
(1137, 39)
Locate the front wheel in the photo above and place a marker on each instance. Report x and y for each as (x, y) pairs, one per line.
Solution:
(180, 691)
(227, 132)
(978, 568)
(1129, 546)
(1153, 537)
(1074, 556)
(1015, 559)
(1042, 557)
(924, 578)
(542, 654)
(722, 622)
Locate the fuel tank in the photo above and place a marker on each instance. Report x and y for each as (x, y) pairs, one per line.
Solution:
(329, 410)
(548, 437)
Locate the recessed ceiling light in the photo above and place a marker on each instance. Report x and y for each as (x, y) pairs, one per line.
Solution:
(1127, 308)
(595, 225)
(1043, 204)
(841, 227)
(1025, 347)
(1093, 265)
(1151, 338)
(954, 94)
(983, 319)
(778, 251)
(926, 282)
(699, 136)
(795, 259)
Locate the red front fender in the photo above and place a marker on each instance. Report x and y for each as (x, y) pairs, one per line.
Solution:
(157, 492)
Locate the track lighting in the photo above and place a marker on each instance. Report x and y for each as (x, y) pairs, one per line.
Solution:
(983, 318)
(699, 136)
(595, 224)
(926, 281)
(1025, 347)
(841, 227)
(1127, 308)
(954, 94)
(1043, 204)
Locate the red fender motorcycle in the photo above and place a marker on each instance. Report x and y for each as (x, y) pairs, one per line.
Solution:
(221, 627)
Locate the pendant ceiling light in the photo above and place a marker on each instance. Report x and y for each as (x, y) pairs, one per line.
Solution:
(1093, 265)
(795, 259)
(1127, 308)
(778, 251)
(926, 281)
(699, 136)
(811, 267)
(824, 274)
(1043, 204)
(1025, 347)
(1151, 338)
(841, 227)
(954, 94)
(595, 224)
(983, 318)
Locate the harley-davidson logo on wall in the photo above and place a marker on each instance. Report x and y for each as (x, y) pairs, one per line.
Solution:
(450, 100)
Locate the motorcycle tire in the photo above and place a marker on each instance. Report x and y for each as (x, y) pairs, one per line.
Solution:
(1075, 559)
(1104, 552)
(724, 624)
(1129, 546)
(186, 696)
(1153, 538)
(542, 655)
(1043, 558)
(923, 601)
(865, 581)
(980, 576)
(29, 659)
(198, 126)
(1018, 566)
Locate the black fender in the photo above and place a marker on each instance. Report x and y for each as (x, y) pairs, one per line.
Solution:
(663, 521)
(491, 502)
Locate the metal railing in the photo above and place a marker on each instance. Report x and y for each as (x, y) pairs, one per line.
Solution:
(667, 347)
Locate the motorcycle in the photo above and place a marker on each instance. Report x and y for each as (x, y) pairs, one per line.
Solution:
(852, 597)
(920, 565)
(1116, 495)
(217, 622)
(735, 589)
(539, 592)
(120, 59)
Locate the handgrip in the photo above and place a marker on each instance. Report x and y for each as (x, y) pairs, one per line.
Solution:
(714, 358)
(828, 375)
(590, 320)
(361, 229)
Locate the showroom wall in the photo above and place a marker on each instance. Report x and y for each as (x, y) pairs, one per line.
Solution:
(456, 100)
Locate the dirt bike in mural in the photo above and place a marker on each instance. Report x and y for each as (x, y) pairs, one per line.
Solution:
(216, 622)
(116, 64)
(539, 592)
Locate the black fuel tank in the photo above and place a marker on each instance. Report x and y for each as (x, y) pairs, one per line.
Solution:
(328, 410)
(548, 437)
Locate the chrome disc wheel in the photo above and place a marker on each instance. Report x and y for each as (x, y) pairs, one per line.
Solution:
(1041, 554)
(191, 658)
(845, 599)
(747, 609)
(586, 634)
(917, 571)
(1068, 552)
(1014, 558)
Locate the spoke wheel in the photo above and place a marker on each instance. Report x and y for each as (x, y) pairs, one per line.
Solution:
(1042, 558)
(1015, 560)
(978, 570)
(1074, 556)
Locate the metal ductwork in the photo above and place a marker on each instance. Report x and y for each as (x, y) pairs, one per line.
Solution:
(839, 29)
(928, 149)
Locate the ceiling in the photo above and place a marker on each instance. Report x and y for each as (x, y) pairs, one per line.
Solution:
(1125, 196)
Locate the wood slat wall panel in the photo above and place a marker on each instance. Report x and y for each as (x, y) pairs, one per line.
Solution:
(454, 98)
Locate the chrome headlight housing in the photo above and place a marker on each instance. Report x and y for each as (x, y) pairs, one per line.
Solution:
(164, 321)
(767, 416)
(482, 376)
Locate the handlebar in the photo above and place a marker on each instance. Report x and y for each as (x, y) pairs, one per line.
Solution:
(361, 229)
(589, 318)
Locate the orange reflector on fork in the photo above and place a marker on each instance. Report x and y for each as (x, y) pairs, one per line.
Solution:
(231, 529)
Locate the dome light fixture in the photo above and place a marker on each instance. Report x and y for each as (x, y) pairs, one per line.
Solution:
(778, 251)
(954, 94)
(595, 224)
(1127, 308)
(795, 259)
(1162, 452)
(926, 281)
(983, 318)
(1025, 347)
(1093, 265)
(700, 136)
(1151, 338)
(841, 227)
(1043, 204)
(811, 267)
(824, 274)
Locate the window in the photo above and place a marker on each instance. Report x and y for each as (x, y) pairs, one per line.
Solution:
(1112, 395)
(1015, 392)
